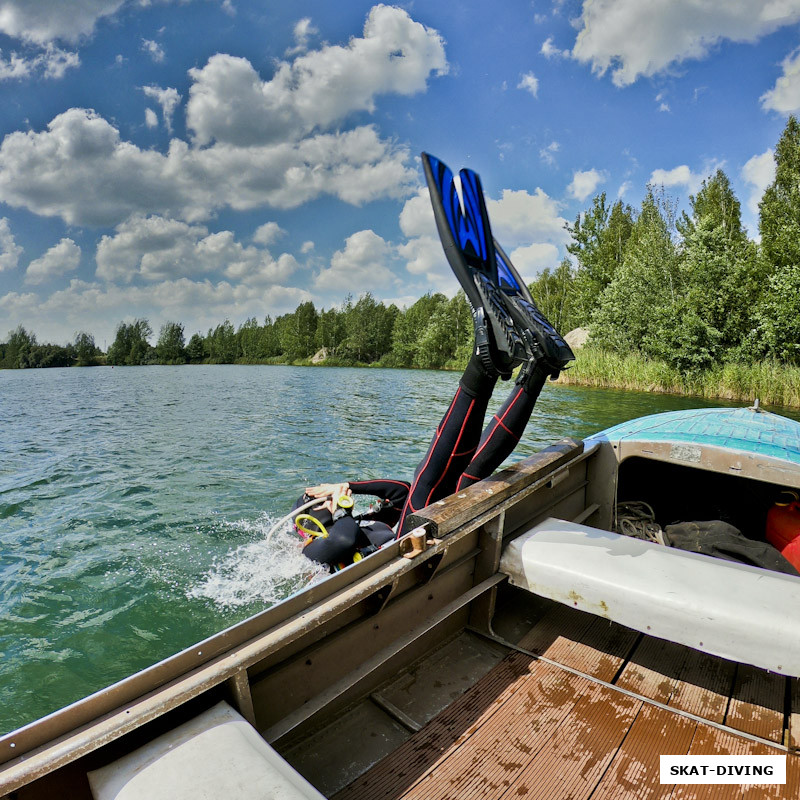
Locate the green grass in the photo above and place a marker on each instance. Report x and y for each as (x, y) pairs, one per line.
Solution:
(769, 381)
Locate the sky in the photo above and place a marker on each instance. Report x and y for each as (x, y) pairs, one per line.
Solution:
(202, 160)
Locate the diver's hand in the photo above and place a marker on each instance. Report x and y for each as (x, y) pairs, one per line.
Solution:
(331, 492)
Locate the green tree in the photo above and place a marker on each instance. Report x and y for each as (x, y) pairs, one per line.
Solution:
(86, 351)
(130, 346)
(222, 344)
(599, 238)
(368, 327)
(331, 330)
(638, 307)
(196, 349)
(249, 336)
(720, 278)
(553, 293)
(19, 350)
(779, 225)
(269, 344)
(170, 345)
(410, 326)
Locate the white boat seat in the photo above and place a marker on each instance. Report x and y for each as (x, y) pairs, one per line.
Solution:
(217, 755)
(732, 610)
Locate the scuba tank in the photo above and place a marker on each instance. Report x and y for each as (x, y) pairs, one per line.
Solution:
(783, 526)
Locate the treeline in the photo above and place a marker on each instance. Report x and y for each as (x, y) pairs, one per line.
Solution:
(22, 351)
(433, 333)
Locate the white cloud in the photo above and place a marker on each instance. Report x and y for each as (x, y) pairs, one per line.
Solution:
(362, 263)
(44, 21)
(624, 188)
(520, 218)
(784, 97)
(268, 233)
(154, 50)
(548, 154)
(10, 251)
(585, 183)
(759, 173)
(60, 259)
(229, 102)
(549, 50)
(530, 83)
(635, 39)
(306, 247)
(150, 118)
(155, 248)
(168, 99)
(51, 63)
(679, 176)
(303, 31)
(531, 260)
(199, 305)
(80, 170)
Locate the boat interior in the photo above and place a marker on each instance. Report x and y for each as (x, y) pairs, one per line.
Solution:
(425, 673)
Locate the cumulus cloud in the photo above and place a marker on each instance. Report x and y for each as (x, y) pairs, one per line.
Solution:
(520, 218)
(268, 233)
(679, 176)
(585, 183)
(168, 99)
(549, 50)
(759, 173)
(229, 103)
(52, 62)
(784, 97)
(530, 83)
(635, 39)
(10, 251)
(154, 50)
(154, 248)
(79, 169)
(199, 304)
(150, 118)
(362, 262)
(44, 21)
(548, 154)
(60, 259)
(303, 31)
(531, 260)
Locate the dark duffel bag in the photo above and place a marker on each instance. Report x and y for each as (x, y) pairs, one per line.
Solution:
(722, 540)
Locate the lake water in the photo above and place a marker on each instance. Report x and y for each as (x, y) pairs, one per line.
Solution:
(135, 502)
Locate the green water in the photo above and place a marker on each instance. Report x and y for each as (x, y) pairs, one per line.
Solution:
(134, 502)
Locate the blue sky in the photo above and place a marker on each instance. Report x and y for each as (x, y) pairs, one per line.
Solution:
(197, 160)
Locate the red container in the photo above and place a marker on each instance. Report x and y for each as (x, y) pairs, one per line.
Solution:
(783, 527)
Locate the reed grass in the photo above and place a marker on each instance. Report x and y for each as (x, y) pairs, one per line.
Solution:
(769, 381)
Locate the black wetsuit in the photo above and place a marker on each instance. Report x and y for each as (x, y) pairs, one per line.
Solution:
(346, 534)
(458, 456)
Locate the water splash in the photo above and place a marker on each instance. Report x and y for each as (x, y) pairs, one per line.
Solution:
(262, 571)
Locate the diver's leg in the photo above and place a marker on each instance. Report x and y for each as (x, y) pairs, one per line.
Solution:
(506, 427)
(454, 442)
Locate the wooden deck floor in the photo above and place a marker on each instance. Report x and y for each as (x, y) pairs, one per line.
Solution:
(531, 729)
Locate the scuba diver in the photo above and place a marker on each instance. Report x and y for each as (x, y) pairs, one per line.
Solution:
(510, 332)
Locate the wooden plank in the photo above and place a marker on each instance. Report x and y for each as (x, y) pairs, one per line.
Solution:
(602, 649)
(556, 633)
(653, 669)
(446, 515)
(487, 764)
(757, 703)
(393, 775)
(793, 739)
(634, 772)
(705, 686)
(713, 741)
(574, 759)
